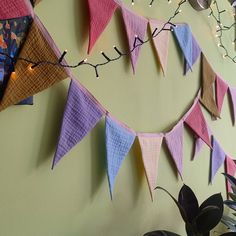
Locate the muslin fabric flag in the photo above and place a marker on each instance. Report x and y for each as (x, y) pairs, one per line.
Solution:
(221, 90)
(196, 121)
(10, 9)
(151, 147)
(208, 80)
(188, 45)
(135, 26)
(119, 141)
(174, 141)
(161, 42)
(230, 168)
(217, 158)
(232, 92)
(38, 46)
(101, 12)
(82, 113)
(12, 37)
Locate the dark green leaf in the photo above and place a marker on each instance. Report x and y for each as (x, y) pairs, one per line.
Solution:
(232, 196)
(230, 204)
(181, 210)
(189, 202)
(161, 233)
(214, 200)
(229, 222)
(208, 218)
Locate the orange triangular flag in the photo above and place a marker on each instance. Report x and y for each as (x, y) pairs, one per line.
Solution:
(208, 79)
(26, 82)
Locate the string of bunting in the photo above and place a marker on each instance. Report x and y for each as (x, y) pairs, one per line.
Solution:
(83, 111)
(135, 41)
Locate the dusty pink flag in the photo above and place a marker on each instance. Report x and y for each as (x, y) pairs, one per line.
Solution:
(161, 42)
(230, 168)
(101, 12)
(196, 121)
(174, 141)
(150, 147)
(135, 26)
(232, 92)
(221, 90)
(15, 8)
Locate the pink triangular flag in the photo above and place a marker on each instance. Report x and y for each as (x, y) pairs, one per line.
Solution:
(174, 141)
(101, 12)
(136, 27)
(10, 9)
(161, 42)
(232, 92)
(150, 147)
(196, 121)
(217, 158)
(221, 90)
(230, 168)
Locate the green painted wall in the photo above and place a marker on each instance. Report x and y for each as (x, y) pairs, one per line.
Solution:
(73, 199)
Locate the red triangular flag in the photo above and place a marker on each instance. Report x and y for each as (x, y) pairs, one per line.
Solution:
(230, 168)
(101, 12)
(221, 90)
(136, 27)
(161, 42)
(196, 121)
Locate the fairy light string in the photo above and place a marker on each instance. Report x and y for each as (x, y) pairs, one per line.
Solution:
(137, 43)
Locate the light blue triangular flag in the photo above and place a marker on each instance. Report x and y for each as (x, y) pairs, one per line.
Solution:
(119, 141)
(184, 37)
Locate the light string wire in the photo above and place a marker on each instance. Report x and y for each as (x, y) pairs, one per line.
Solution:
(137, 43)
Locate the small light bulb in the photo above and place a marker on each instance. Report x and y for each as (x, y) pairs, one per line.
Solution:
(224, 56)
(180, 10)
(150, 5)
(132, 3)
(169, 1)
(219, 45)
(216, 35)
(233, 42)
(86, 59)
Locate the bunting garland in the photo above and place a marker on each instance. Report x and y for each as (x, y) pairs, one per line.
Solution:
(232, 92)
(230, 168)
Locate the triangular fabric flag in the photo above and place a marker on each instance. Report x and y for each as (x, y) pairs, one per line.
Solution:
(196, 121)
(208, 79)
(12, 36)
(10, 9)
(221, 90)
(217, 157)
(174, 141)
(232, 92)
(184, 37)
(119, 141)
(199, 143)
(196, 52)
(136, 27)
(230, 169)
(38, 46)
(101, 12)
(81, 114)
(150, 147)
(161, 42)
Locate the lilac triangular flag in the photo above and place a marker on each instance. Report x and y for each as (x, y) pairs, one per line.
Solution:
(119, 141)
(161, 42)
(184, 37)
(232, 92)
(217, 157)
(196, 52)
(135, 26)
(150, 147)
(221, 90)
(81, 114)
(174, 141)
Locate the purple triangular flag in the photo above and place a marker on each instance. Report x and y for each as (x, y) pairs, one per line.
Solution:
(174, 141)
(82, 113)
(119, 141)
(136, 27)
(196, 52)
(217, 157)
(232, 92)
